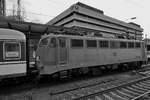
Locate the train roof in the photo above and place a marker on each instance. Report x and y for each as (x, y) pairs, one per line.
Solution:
(11, 34)
(89, 37)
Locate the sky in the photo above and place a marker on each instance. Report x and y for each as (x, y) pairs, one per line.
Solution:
(42, 11)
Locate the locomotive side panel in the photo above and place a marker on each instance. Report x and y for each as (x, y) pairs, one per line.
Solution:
(91, 52)
(76, 57)
(104, 57)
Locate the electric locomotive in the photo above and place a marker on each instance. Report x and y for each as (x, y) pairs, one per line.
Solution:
(67, 53)
(12, 54)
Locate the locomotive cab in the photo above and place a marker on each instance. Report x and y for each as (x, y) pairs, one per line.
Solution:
(52, 51)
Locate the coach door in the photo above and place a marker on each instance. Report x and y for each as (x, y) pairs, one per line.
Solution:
(62, 50)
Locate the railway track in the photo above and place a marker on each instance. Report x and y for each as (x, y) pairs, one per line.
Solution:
(134, 90)
(92, 89)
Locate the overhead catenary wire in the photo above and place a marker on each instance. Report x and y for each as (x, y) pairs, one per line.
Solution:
(30, 13)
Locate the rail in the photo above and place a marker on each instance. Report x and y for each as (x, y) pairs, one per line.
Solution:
(116, 88)
(141, 96)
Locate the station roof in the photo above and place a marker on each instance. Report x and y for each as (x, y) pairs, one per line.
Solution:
(34, 30)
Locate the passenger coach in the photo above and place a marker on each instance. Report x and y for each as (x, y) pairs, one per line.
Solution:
(12, 54)
(58, 53)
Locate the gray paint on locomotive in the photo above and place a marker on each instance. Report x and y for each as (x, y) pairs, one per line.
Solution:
(80, 57)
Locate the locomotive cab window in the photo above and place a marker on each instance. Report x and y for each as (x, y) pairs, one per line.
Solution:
(62, 42)
(44, 41)
(52, 43)
(12, 50)
(91, 43)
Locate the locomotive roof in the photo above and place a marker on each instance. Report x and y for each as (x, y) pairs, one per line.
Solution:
(11, 34)
(88, 37)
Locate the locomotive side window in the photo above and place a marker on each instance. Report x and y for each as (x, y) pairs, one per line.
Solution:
(113, 44)
(91, 43)
(103, 44)
(148, 47)
(123, 45)
(130, 44)
(52, 43)
(44, 41)
(12, 50)
(137, 45)
(76, 43)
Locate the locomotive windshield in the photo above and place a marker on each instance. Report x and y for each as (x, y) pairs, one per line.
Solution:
(44, 41)
(52, 43)
(12, 50)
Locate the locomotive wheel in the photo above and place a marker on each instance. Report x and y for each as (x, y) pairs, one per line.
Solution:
(95, 71)
(121, 67)
(139, 64)
(69, 74)
(56, 76)
(135, 65)
(75, 72)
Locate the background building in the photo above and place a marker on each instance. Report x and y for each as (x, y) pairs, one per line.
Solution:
(84, 17)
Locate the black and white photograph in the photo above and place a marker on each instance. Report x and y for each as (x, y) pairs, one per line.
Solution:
(74, 50)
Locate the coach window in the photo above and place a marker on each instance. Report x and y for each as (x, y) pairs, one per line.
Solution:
(91, 43)
(52, 43)
(137, 44)
(123, 45)
(130, 44)
(12, 50)
(103, 44)
(44, 41)
(76, 43)
(113, 44)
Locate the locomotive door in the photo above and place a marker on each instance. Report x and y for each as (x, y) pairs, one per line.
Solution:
(49, 53)
(62, 51)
